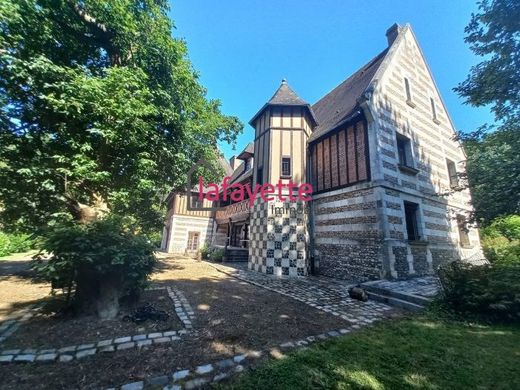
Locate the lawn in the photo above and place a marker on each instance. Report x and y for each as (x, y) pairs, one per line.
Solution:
(416, 352)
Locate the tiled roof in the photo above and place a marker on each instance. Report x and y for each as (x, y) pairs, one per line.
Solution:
(284, 96)
(228, 171)
(341, 104)
(248, 151)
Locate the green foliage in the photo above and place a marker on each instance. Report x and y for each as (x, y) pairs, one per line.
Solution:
(489, 291)
(493, 164)
(501, 240)
(204, 252)
(493, 34)
(216, 254)
(100, 107)
(86, 257)
(493, 170)
(507, 227)
(15, 243)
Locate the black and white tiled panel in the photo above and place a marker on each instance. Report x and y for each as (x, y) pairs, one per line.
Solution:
(278, 239)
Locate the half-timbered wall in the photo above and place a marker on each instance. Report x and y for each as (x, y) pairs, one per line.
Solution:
(341, 158)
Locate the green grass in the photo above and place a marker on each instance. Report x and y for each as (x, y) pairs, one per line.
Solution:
(413, 353)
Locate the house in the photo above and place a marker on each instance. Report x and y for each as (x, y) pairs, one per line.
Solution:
(380, 153)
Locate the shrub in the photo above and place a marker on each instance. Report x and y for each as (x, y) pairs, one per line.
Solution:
(501, 240)
(205, 251)
(97, 264)
(15, 243)
(217, 254)
(490, 291)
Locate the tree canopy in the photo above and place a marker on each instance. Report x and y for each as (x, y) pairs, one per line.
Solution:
(101, 110)
(494, 33)
(493, 165)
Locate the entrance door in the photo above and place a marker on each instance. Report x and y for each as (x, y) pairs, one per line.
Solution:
(193, 241)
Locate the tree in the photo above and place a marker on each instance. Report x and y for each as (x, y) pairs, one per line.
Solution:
(494, 33)
(493, 165)
(101, 111)
(493, 173)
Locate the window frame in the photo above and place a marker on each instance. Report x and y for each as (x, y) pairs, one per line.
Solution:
(454, 183)
(283, 174)
(409, 161)
(433, 107)
(196, 203)
(191, 240)
(408, 92)
(260, 175)
(413, 219)
(463, 231)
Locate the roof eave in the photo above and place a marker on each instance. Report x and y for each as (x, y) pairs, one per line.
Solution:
(348, 119)
(265, 106)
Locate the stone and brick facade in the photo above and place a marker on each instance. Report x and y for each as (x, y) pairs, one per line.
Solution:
(380, 153)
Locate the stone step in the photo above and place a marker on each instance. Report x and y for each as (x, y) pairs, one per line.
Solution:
(392, 301)
(237, 255)
(419, 300)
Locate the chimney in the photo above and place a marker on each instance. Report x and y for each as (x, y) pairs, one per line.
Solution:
(233, 162)
(392, 33)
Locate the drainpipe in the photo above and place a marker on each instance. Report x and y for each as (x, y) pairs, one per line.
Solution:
(310, 223)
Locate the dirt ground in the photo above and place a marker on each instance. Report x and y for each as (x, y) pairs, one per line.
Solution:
(231, 317)
(50, 330)
(16, 289)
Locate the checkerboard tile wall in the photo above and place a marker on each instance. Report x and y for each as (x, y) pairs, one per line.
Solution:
(278, 238)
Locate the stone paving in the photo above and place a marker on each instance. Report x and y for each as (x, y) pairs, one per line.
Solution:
(428, 286)
(325, 294)
(11, 324)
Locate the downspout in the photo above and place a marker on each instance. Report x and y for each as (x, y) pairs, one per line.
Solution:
(310, 224)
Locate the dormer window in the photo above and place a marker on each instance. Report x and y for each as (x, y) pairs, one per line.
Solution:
(408, 92)
(247, 165)
(286, 167)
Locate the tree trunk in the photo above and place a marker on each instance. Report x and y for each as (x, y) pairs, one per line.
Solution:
(107, 303)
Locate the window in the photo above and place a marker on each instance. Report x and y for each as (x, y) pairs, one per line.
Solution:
(404, 150)
(434, 111)
(286, 166)
(259, 176)
(193, 241)
(408, 92)
(463, 231)
(452, 173)
(247, 165)
(195, 201)
(411, 217)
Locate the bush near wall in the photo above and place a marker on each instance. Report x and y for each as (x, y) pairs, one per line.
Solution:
(15, 243)
(501, 240)
(490, 292)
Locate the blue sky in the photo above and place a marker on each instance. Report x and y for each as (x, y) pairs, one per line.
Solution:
(243, 48)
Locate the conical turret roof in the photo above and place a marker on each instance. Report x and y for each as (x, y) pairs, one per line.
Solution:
(284, 96)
